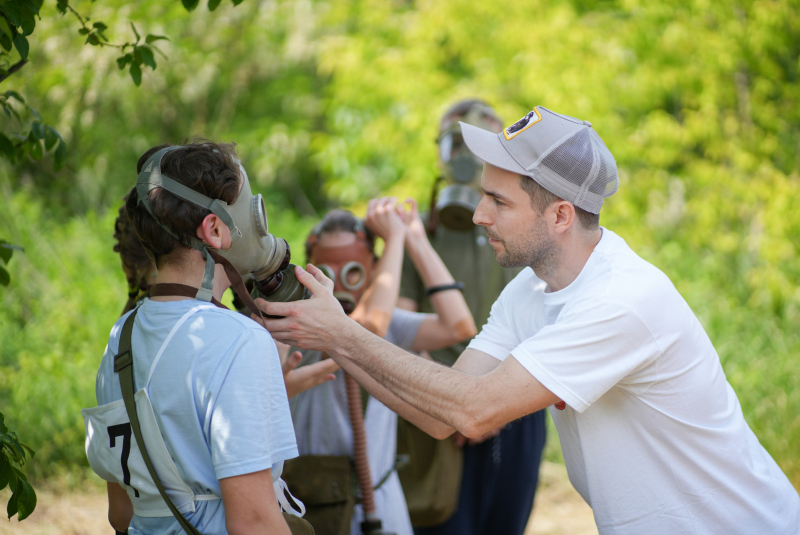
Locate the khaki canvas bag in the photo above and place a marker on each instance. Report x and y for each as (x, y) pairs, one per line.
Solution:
(326, 484)
(432, 481)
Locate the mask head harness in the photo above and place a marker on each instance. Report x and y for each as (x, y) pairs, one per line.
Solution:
(348, 266)
(461, 169)
(253, 249)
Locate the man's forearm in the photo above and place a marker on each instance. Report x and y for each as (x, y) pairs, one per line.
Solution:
(430, 425)
(441, 393)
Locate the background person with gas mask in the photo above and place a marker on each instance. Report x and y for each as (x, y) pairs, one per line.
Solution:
(367, 288)
(500, 471)
(211, 401)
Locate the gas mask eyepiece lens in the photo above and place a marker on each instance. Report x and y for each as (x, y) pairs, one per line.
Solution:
(353, 276)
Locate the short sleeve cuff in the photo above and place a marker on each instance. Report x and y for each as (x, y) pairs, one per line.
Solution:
(496, 351)
(255, 465)
(548, 381)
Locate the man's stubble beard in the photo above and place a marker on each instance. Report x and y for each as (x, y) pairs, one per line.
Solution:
(539, 251)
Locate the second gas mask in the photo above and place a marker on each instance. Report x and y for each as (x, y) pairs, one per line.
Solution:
(458, 200)
(349, 267)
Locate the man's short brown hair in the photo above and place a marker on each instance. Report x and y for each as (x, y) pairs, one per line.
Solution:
(541, 199)
(206, 167)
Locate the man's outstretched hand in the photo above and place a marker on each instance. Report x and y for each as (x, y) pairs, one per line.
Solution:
(315, 323)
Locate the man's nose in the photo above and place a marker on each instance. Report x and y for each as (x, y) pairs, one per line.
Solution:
(480, 217)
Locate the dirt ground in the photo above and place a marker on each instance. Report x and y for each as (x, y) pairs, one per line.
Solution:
(558, 510)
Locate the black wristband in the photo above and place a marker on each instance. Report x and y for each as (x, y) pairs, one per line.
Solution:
(118, 532)
(458, 285)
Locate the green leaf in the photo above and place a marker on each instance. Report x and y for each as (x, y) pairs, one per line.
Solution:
(61, 155)
(6, 28)
(190, 4)
(151, 38)
(13, 446)
(136, 73)
(123, 61)
(30, 451)
(51, 137)
(147, 56)
(62, 6)
(22, 45)
(5, 42)
(13, 13)
(28, 5)
(14, 94)
(36, 151)
(12, 507)
(6, 473)
(237, 2)
(26, 502)
(6, 251)
(84, 31)
(5, 278)
(138, 37)
(37, 129)
(92, 39)
(213, 4)
(100, 26)
(28, 23)
(6, 147)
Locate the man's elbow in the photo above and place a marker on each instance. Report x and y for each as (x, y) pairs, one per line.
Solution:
(441, 432)
(477, 422)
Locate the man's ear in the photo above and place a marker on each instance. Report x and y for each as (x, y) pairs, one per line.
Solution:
(564, 215)
(211, 231)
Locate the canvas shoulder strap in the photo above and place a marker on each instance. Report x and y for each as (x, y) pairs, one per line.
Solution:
(123, 365)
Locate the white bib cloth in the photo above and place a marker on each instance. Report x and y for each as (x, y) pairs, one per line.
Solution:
(114, 454)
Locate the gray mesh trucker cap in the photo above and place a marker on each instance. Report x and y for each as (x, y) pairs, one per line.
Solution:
(562, 154)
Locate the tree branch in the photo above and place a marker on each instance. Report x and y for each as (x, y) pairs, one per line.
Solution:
(14, 68)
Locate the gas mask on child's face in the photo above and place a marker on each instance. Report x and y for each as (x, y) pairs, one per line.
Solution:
(457, 201)
(253, 249)
(349, 267)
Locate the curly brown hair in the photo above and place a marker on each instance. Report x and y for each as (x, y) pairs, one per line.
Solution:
(135, 261)
(208, 168)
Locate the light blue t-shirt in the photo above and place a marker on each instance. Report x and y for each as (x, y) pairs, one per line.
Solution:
(218, 396)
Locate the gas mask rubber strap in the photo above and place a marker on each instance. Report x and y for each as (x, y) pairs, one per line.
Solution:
(238, 285)
(151, 178)
(206, 290)
(216, 206)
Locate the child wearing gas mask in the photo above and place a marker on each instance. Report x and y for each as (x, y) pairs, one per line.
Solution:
(140, 274)
(343, 247)
(211, 403)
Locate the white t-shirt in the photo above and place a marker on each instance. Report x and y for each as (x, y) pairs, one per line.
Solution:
(653, 435)
(322, 425)
(218, 396)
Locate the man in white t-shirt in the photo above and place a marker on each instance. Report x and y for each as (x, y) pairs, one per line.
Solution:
(653, 435)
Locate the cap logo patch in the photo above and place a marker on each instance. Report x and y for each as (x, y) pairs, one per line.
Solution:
(523, 124)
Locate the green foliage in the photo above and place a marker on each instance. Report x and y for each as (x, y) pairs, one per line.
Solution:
(39, 139)
(12, 451)
(335, 102)
(6, 252)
